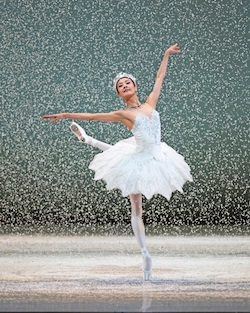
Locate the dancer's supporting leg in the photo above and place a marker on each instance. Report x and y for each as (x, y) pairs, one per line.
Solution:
(82, 136)
(136, 202)
(139, 231)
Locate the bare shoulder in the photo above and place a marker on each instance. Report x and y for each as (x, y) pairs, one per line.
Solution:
(118, 114)
(125, 117)
(121, 113)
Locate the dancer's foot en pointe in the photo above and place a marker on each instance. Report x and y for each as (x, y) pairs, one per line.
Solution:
(147, 265)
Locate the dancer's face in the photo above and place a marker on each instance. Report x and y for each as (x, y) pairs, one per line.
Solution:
(125, 87)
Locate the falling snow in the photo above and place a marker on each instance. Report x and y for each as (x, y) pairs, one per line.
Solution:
(61, 56)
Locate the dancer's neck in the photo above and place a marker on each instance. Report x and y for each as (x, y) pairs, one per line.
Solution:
(133, 102)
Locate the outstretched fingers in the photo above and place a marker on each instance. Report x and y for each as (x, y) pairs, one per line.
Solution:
(54, 117)
(174, 49)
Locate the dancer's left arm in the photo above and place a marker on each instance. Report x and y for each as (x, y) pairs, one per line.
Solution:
(154, 95)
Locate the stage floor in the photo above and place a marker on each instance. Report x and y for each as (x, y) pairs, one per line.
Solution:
(103, 274)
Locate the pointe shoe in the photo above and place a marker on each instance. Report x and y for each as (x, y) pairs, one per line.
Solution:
(147, 267)
(79, 132)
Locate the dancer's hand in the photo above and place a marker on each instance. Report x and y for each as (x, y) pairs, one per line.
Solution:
(56, 117)
(173, 49)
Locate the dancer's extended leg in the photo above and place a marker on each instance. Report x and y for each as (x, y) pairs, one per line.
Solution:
(139, 231)
(82, 136)
(99, 144)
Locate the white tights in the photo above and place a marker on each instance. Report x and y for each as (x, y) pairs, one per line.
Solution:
(136, 221)
(98, 144)
(136, 203)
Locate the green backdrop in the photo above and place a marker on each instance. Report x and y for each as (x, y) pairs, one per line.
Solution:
(59, 56)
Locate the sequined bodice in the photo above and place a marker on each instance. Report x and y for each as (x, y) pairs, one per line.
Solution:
(147, 131)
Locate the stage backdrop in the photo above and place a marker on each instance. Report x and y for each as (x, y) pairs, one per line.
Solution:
(61, 56)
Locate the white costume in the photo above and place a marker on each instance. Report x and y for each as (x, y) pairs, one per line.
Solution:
(142, 164)
(139, 165)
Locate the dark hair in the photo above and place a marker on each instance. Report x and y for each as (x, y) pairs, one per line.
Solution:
(121, 78)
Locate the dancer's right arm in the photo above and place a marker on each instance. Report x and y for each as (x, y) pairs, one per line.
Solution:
(124, 117)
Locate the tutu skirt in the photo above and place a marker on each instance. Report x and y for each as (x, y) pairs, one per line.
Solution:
(156, 170)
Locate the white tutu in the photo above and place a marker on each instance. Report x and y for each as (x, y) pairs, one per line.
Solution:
(142, 164)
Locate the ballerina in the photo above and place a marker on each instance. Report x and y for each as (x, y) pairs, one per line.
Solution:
(142, 164)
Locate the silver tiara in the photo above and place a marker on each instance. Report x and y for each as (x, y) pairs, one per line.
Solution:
(122, 75)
